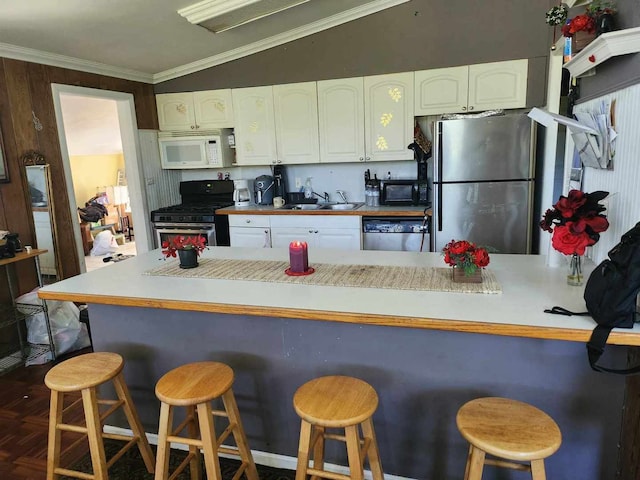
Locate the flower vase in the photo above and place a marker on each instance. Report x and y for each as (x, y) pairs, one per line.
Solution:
(188, 258)
(575, 276)
(459, 276)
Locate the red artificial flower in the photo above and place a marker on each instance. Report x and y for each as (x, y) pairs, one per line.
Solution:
(579, 23)
(179, 242)
(481, 257)
(568, 242)
(567, 206)
(465, 255)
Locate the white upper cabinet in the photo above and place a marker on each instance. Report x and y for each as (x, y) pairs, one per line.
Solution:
(193, 111)
(296, 120)
(389, 122)
(341, 120)
(471, 88)
(254, 126)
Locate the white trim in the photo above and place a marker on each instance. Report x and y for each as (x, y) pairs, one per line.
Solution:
(276, 40)
(63, 61)
(131, 153)
(207, 9)
(261, 458)
(607, 45)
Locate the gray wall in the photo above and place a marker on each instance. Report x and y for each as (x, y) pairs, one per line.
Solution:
(618, 72)
(417, 35)
(422, 378)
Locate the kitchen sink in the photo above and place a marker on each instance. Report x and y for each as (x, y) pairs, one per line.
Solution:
(342, 206)
(303, 206)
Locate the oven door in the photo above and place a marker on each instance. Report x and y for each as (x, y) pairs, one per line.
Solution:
(167, 231)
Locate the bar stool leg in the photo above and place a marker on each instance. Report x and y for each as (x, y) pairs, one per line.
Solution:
(318, 449)
(537, 470)
(353, 452)
(468, 464)
(94, 433)
(209, 441)
(374, 454)
(195, 468)
(239, 434)
(164, 448)
(303, 450)
(55, 418)
(134, 422)
(476, 464)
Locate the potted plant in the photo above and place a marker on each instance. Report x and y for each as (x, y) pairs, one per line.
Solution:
(188, 249)
(575, 223)
(466, 259)
(602, 11)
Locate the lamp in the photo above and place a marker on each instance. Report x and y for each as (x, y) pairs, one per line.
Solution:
(219, 16)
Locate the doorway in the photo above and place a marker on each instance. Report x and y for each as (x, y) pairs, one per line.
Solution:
(127, 135)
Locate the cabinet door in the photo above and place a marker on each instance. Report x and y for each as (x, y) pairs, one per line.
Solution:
(296, 115)
(283, 236)
(340, 238)
(175, 111)
(254, 125)
(498, 85)
(341, 120)
(250, 237)
(388, 106)
(213, 109)
(441, 90)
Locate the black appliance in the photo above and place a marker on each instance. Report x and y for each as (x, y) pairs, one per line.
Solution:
(263, 190)
(13, 242)
(400, 192)
(196, 214)
(279, 181)
(422, 160)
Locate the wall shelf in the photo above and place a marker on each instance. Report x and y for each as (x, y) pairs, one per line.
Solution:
(607, 45)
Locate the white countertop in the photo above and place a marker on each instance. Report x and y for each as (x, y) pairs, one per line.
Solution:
(528, 288)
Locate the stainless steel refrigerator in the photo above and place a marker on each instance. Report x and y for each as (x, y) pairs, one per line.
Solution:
(483, 179)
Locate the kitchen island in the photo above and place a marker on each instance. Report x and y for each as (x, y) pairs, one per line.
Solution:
(425, 352)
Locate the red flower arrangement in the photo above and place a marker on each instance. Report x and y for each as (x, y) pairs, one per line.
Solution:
(576, 221)
(465, 255)
(170, 247)
(579, 23)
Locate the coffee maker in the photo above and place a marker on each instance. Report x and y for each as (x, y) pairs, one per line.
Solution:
(421, 156)
(263, 190)
(241, 193)
(279, 181)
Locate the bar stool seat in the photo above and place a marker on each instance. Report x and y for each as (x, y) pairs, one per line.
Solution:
(195, 386)
(337, 402)
(83, 374)
(510, 430)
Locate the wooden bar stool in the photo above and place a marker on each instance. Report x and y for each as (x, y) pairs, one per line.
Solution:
(83, 374)
(194, 386)
(337, 402)
(510, 430)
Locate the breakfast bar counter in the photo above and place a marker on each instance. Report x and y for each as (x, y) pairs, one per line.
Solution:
(426, 352)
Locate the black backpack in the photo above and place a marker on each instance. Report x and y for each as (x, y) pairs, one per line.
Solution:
(610, 295)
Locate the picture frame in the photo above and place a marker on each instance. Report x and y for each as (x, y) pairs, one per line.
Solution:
(4, 169)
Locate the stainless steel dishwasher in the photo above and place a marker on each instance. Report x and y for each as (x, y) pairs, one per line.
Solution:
(396, 233)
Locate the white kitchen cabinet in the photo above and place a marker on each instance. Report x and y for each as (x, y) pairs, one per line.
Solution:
(341, 120)
(319, 231)
(388, 121)
(249, 231)
(254, 126)
(366, 119)
(296, 121)
(193, 111)
(480, 87)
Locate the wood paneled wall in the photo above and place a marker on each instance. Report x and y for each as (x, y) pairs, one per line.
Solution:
(25, 88)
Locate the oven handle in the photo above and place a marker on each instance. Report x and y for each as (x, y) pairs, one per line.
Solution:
(184, 228)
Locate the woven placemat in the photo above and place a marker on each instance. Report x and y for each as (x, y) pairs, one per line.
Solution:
(369, 276)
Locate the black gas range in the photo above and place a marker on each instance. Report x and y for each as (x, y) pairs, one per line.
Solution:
(195, 216)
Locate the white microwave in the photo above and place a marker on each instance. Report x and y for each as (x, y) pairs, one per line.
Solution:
(206, 149)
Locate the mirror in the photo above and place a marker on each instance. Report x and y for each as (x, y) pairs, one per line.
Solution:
(4, 172)
(38, 189)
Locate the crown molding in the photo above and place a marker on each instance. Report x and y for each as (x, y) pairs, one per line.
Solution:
(201, 11)
(276, 40)
(63, 61)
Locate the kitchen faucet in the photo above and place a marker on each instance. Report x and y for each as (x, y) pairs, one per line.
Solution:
(342, 195)
(325, 197)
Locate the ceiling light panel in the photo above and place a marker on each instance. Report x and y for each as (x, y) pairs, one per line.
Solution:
(221, 15)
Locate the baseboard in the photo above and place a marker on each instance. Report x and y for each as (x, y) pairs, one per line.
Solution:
(261, 458)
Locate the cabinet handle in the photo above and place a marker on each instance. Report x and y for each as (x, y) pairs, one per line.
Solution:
(471, 107)
(316, 231)
(193, 127)
(197, 126)
(279, 161)
(310, 231)
(464, 109)
(248, 221)
(368, 158)
(362, 159)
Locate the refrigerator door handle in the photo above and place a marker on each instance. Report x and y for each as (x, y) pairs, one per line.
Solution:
(438, 174)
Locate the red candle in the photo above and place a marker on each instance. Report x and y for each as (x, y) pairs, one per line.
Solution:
(298, 258)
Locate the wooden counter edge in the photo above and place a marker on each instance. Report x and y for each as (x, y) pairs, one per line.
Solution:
(510, 330)
(357, 212)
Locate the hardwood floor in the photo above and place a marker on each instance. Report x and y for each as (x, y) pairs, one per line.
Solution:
(24, 417)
